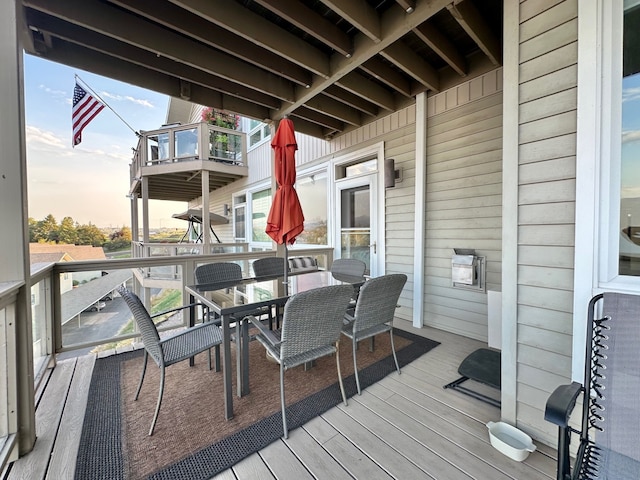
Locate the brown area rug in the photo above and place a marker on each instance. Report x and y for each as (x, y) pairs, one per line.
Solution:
(192, 440)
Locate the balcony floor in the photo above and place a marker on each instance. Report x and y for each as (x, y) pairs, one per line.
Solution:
(405, 426)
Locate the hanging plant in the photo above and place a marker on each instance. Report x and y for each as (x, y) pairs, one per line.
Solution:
(220, 118)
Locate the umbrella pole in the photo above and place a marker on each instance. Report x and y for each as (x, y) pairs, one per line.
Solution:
(286, 270)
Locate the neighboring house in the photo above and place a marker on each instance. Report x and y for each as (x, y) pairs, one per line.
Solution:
(522, 163)
(66, 252)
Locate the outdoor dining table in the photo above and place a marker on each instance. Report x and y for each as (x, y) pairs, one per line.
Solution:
(231, 302)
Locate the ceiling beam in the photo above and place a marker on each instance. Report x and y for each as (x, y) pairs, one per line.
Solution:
(101, 64)
(386, 74)
(348, 98)
(441, 45)
(467, 15)
(359, 14)
(196, 27)
(365, 88)
(395, 24)
(113, 22)
(310, 22)
(317, 117)
(96, 41)
(412, 64)
(335, 109)
(243, 22)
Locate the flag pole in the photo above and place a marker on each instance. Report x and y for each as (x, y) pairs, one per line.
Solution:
(105, 103)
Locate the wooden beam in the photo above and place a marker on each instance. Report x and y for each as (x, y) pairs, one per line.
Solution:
(310, 22)
(115, 23)
(96, 41)
(363, 87)
(359, 14)
(196, 27)
(467, 15)
(383, 72)
(335, 109)
(441, 45)
(243, 22)
(101, 64)
(348, 98)
(412, 64)
(317, 117)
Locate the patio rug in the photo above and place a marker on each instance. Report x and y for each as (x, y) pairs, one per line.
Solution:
(192, 440)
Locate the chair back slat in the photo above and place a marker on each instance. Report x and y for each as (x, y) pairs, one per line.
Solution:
(377, 301)
(621, 376)
(313, 319)
(269, 267)
(219, 272)
(144, 322)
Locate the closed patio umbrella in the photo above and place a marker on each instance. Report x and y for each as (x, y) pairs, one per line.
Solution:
(286, 220)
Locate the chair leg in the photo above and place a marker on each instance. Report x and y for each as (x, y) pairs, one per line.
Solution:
(344, 396)
(282, 403)
(144, 369)
(355, 363)
(217, 350)
(155, 415)
(393, 349)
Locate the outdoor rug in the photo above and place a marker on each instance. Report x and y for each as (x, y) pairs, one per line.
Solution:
(192, 440)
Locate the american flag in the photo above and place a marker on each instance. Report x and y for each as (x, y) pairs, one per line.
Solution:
(85, 108)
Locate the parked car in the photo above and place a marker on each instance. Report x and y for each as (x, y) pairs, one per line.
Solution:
(96, 307)
(107, 298)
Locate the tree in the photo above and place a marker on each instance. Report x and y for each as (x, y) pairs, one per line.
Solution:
(67, 232)
(90, 235)
(45, 230)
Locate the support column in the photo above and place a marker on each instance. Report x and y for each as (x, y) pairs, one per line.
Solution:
(206, 219)
(14, 237)
(420, 209)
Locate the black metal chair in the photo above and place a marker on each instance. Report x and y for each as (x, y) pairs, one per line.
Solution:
(174, 349)
(609, 435)
(374, 313)
(310, 330)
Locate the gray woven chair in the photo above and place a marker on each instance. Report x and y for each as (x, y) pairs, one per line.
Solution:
(347, 267)
(374, 313)
(226, 274)
(310, 329)
(268, 267)
(170, 350)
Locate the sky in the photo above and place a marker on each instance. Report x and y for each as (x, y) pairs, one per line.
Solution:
(88, 183)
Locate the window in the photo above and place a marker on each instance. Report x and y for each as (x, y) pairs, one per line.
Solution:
(239, 218)
(629, 226)
(258, 132)
(260, 205)
(312, 192)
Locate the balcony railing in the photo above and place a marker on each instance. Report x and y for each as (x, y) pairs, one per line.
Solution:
(180, 143)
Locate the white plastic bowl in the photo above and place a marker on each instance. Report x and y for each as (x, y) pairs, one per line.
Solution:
(510, 441)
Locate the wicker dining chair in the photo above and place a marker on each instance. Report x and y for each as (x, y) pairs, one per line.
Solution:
(223, 273)
(349, 267)
(269, 267)
(310, 330)
(170, 350)
(374, 313)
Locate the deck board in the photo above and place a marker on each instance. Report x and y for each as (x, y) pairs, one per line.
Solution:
(405, 426)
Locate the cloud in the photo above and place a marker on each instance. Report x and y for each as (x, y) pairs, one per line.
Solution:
(52, 92)
(631, 136)
(630, 94)
(128, 98)
(37, 137)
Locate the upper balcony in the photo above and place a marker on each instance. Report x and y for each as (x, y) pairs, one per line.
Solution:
(173, 158)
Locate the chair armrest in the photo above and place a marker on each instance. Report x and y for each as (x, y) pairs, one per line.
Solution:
(272, 337)
(560, 404)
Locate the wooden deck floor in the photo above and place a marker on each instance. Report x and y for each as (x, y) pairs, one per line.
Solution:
(404, 427)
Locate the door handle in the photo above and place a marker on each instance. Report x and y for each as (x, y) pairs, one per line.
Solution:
(375, 247)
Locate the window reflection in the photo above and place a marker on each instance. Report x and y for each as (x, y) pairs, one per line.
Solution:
(312, 192)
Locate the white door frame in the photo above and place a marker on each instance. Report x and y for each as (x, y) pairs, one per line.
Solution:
(375, 151)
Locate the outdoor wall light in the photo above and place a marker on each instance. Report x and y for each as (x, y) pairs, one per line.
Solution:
(391, 174)
(225, 209)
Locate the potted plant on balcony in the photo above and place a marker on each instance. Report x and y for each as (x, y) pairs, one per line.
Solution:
(220, 141)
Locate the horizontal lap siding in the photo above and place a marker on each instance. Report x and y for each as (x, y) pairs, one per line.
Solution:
(463, 200)
(546, 205)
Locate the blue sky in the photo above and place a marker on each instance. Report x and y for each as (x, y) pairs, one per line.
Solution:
(88, 182)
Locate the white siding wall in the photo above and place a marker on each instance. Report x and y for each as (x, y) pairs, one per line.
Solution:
(463, 199)
(546, 205)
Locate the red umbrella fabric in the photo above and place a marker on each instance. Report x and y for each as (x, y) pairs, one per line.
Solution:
(286, 220)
